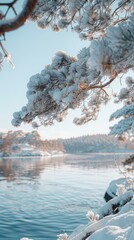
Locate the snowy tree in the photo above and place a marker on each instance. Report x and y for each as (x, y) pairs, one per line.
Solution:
(71, 82)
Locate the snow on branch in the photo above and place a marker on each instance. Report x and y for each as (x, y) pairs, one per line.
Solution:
(7, 25)
(69, 82)
(124, 111)
(126, 95)
(87, 18)
(122, 126)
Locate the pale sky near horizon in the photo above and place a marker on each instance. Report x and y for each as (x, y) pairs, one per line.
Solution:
(31, 50)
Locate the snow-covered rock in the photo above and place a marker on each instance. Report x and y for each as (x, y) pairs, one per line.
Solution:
(113, 188)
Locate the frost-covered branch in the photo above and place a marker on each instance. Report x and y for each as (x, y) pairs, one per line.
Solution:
(69, 82)
(87, 18)
(125, 125)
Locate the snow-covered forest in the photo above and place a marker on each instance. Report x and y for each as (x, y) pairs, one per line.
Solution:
(96, 143)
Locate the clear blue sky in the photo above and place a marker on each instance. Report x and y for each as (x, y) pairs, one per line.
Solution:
(31, 50)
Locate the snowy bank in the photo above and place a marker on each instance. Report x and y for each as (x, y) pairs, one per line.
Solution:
(114, 221)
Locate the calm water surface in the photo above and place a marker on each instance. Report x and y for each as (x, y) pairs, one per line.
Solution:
(43, 197)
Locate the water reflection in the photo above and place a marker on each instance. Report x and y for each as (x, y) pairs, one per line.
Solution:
(100, 160)
(28, 168)
(31, 168)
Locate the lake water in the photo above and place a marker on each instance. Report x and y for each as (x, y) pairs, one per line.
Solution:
(43, 197)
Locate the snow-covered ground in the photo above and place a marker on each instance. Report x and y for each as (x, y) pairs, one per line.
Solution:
(114, 221)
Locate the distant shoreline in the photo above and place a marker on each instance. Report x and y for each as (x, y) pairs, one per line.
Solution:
(66, 154)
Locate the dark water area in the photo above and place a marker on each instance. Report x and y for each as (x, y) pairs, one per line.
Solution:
(43, 197)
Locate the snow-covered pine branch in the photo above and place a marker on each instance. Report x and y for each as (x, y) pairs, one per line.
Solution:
(125, 125)
(86, 17)
(69, 82)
